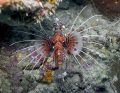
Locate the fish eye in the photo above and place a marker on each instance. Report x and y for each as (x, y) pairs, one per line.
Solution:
(63, 43)
(53, 43)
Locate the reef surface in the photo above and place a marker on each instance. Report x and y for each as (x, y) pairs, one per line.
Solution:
(102, 74)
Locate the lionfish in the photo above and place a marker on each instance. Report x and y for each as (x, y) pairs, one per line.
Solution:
(60, 44)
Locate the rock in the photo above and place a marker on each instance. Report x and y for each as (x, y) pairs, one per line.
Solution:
(38, 77)
(48, 26)
(32, 79)
(75, 78)
(64, 4)
(79, 2)
(4, 83)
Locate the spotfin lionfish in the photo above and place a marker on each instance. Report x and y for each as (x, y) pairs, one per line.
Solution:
(59, 44)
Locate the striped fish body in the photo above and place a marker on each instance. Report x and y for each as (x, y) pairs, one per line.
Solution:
(59, 51)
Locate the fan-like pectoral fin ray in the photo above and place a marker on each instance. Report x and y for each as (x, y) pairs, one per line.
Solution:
(91, 50)
(46, 46)
(96, 62)
(32, 60)
(38, 62)
(82, 66)
(25, 48)
(87, 29)
(94, 43)
(84, 60)
(30, 34)
(76, 18)
(74, 43)
(24, 41)
(87, 20)
(29, 55)
(78, 62)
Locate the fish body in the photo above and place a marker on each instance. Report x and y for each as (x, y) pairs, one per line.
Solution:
(72, 42)
(59, 51)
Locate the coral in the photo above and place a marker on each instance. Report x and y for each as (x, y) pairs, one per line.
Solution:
(52, 1)
(48, 77)
(64, 5)
(46, 73)
(37, 9)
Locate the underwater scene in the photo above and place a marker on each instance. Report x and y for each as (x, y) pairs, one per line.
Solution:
(59, 46)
